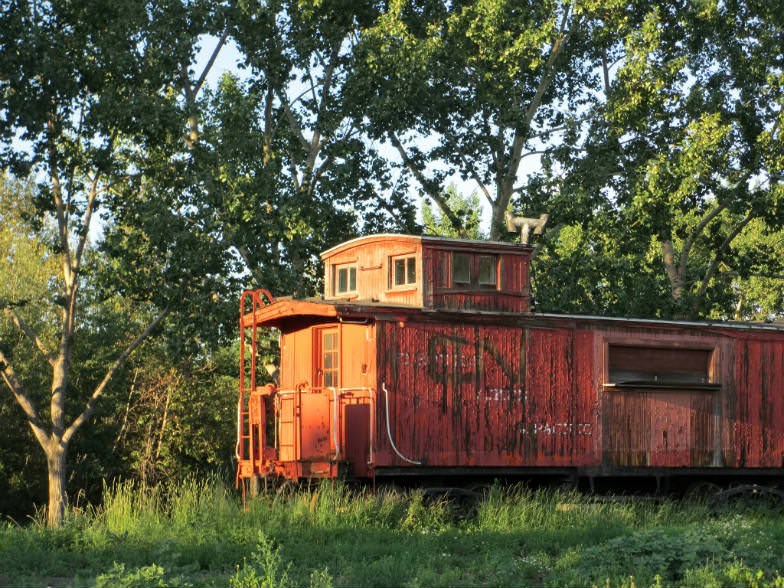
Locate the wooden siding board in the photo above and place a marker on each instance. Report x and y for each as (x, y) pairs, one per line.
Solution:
(480, 394)
(457, 396)
(432, 289)
(372, 260)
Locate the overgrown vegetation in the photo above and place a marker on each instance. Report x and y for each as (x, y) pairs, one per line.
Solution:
(196, 534)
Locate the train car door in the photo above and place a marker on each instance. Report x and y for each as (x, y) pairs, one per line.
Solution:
(659, 406)
(315, 413)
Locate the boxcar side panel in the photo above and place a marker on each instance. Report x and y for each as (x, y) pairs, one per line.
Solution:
(758, 417)
(661, 424)
(560, 395)
(481, 395)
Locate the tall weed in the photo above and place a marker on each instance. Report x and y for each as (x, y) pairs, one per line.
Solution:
(265, 569)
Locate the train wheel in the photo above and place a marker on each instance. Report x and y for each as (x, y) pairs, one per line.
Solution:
(254, 484)
(749, 496)
(286, 490)
(701, 491)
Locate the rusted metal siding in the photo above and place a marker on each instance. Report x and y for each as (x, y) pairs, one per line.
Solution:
(740, 424)
(485, 395)
(561, 395)
(655, 425)
(523, 390)
(456, 398)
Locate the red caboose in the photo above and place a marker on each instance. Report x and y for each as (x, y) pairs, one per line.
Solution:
(422, 359)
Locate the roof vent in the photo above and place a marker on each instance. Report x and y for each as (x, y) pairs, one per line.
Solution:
(525, 225)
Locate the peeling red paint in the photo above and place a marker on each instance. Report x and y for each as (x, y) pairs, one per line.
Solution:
(492, 387)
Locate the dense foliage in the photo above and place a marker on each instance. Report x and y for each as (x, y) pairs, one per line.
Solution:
(196, 534)
(138, 200)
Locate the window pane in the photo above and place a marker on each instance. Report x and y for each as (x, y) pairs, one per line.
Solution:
(411, 270)
(487, 270)
(629, 364)
(352, 279)
(328, 379)
(343, 280)
(327, 361)
(460, 268)
(400, 272)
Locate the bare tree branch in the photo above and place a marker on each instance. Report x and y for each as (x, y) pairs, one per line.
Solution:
(320, 171)
(544, 84)
(668, 257)
(210, 63)
(431, 188)
(326, 86)
(60, 214)
(605, 73)
(293, 121)
(31, 334)
(99, 390)
(245, 254)
(17, 389)
(474, 175)
(687, 245)
(717, 259)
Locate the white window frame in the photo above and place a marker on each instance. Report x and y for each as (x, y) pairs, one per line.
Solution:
(406, 259)
(336, 269)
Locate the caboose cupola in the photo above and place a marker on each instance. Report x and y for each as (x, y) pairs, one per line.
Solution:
(429, 272)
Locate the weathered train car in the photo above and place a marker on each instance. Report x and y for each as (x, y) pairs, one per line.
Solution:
(422, 359)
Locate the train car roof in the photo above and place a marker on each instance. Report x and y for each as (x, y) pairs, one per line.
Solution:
(429, 239)
(288, 308)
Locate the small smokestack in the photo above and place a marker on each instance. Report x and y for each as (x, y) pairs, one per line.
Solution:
(526, 225)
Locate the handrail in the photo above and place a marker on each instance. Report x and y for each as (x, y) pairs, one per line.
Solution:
(256, 299)
(372, 430)
(389, 432)
(256, 302)
(239, 431)
(335, 427)
(322, 388)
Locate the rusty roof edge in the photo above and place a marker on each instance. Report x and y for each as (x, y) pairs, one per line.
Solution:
(285, 308)
(377, 236)
(425, 239)
(681, 323)
(371, 308)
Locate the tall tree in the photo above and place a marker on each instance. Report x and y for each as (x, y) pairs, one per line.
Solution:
(87, 88)
(277, 166)
(688, 158)
(476, 87)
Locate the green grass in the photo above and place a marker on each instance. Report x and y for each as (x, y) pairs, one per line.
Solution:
(196, 534)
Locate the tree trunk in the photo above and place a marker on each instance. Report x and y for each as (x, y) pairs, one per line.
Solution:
(55, 460)
(497, 221)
